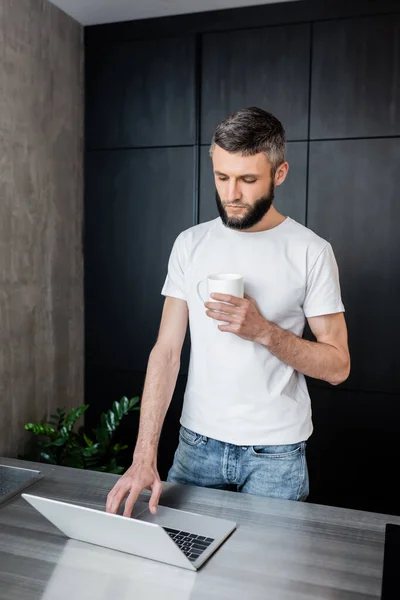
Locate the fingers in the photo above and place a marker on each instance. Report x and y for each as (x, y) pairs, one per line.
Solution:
(218, 306)
(155, 496)
(131, 501)
(227, 328)
(224, 312)
(228, 298)
(115, 498)
(219, 317)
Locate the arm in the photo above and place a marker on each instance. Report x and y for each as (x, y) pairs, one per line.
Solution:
(162, 372)
(328, 358)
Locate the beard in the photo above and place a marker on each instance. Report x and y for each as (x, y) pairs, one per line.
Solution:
(253, 215)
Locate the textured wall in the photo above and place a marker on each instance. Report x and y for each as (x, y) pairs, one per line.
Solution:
(41, 189)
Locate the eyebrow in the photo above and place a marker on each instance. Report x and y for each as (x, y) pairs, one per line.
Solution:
(240, 176)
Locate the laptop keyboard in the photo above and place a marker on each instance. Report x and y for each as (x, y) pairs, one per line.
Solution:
(192, 545)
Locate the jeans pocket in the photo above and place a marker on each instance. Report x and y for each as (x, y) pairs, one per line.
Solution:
(279, 471)
(191, 437)
(284, 451)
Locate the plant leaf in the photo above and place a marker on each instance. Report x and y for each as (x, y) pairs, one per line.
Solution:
(110, 420)
(117, 448)
(64, 432)
(57, 420)
(91, 451)
(60, 441)
(43, 429)
(74, 415)
(48, 458)
(133, 402)
(87, 440)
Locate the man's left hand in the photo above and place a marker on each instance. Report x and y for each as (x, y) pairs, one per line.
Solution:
(242, 315)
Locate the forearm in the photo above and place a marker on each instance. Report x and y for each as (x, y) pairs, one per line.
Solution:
(162, 372)
(315, 359)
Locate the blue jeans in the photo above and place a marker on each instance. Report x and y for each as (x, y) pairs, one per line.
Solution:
(274, 471)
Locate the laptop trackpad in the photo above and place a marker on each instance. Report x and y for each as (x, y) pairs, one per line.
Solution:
(162, 516)
(178, 519)
(139, 508)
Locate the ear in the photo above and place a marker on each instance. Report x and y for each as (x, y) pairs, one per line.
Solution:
(281, 173)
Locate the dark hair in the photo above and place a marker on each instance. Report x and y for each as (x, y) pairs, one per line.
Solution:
(250, 131)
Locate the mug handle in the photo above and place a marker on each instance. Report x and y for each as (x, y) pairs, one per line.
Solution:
(198, 289)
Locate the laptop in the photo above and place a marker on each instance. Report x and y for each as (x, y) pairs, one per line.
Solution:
(172, 536)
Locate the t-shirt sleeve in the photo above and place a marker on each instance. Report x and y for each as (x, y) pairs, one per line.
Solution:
(174, 284)
(323, 295)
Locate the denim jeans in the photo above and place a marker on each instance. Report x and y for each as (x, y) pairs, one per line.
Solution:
(274, 471)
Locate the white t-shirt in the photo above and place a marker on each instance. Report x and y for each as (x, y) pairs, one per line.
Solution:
(237, 391)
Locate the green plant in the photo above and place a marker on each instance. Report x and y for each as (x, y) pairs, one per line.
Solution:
(59, 444)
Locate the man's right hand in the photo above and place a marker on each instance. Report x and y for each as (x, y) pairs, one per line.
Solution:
(138, 477)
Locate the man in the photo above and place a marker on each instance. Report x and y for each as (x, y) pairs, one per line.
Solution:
(247, 413)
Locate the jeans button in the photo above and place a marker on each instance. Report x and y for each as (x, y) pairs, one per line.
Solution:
(244, 447)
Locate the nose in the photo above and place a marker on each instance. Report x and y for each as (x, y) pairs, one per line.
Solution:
(232, 192)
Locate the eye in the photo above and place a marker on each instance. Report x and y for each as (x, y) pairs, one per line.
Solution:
(249, 180)
(223, 178)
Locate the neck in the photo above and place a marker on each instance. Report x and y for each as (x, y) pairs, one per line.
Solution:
(270, 220)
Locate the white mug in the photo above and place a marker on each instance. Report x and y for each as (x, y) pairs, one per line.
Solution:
(222, 283)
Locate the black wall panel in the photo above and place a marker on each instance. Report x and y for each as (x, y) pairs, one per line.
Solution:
(353, 203)
(262, 67)
(355, 78)
(329, 71)
(353, 452)
(137, 202)
(140, 93)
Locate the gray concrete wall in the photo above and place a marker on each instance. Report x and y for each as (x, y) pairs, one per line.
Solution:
(41, 206)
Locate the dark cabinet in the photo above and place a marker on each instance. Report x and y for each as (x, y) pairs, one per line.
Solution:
(354, 451)
(353, 203)
(356, 78)
(140, 93)
(137, 202)
(266, 67)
